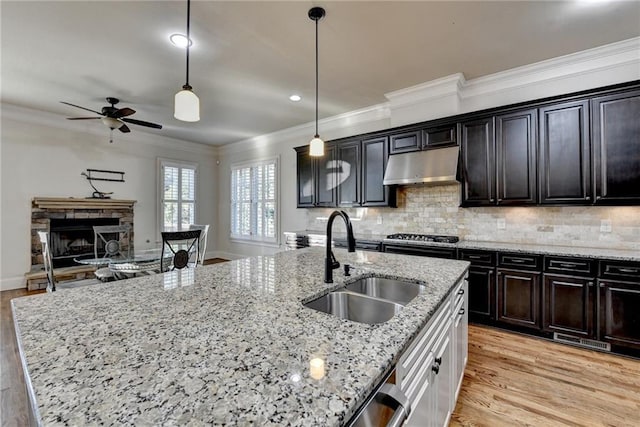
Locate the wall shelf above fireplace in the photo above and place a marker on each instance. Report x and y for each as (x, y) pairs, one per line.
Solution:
(79, 203)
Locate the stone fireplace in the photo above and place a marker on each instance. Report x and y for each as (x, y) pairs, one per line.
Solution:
(70, 222)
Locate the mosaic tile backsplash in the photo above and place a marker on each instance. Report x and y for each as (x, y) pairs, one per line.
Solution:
(435, 210)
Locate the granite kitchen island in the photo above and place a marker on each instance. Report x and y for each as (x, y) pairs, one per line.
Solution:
(228, 343)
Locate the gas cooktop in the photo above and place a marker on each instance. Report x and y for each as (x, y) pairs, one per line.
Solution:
(423, 237)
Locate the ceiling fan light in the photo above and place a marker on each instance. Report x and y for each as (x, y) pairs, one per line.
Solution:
(316, 147)
(112, 123)
(187, 106)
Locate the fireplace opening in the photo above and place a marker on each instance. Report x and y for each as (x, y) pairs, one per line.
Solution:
(74, 238)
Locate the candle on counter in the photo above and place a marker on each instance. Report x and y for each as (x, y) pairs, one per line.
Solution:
(316, 366)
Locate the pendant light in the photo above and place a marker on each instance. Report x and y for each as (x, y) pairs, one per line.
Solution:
(316, 146)
(187, 104)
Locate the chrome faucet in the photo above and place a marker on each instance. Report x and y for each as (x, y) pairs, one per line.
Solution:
(330, 262)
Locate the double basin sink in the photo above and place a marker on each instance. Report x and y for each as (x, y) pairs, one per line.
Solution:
(368, 300)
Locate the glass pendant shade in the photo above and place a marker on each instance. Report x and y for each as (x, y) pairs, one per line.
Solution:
(112, 123)
(316, 147)
(187, 106)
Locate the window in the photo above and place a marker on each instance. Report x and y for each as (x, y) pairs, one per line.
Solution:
(177, 195)
(253, 201)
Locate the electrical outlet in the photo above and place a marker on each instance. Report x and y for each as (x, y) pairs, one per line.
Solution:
(605, 226)
(379, 220)
(502, 223)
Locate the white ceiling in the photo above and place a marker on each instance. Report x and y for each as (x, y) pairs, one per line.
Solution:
(248, 57)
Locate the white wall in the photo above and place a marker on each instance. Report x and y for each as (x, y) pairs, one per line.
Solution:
(43, 155)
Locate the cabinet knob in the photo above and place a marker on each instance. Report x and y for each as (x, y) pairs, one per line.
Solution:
(435, 368)
(461, 312)
(438, 360)
(461, 292)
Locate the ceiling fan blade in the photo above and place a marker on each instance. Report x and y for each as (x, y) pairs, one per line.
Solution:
(77, 106)
(83, 118)
(126, 111)
(142, 123)
(124, 129)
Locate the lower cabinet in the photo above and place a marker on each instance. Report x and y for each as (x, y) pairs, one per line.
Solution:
(481, 293)
(568, 305)
(619, 320)
(430, 372)
(519, 298)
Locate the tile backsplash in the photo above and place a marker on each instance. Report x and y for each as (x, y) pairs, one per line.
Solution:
(435, 210)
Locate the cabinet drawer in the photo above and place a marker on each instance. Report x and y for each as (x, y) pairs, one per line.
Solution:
(432, 251)
(440, 136)
(478, 257)
(520, 261)
(405, 142)
(574, 266)
(624, 270)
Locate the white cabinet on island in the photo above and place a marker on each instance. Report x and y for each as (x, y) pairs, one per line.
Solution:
(230, 343)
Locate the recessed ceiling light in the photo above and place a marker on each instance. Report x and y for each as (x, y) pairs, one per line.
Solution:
(295, 98)
(180, 40)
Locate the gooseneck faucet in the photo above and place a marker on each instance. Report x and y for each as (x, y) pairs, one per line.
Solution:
(330, 262)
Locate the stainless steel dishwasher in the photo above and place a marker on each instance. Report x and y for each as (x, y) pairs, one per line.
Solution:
(386, 407)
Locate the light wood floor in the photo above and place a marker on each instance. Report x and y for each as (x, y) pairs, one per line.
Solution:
(513, 379)
(510, 380)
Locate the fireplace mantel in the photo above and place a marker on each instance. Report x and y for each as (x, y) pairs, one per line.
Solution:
(80, 203)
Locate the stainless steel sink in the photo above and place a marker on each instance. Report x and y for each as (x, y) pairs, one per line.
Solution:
(398, 291)
(355, 307)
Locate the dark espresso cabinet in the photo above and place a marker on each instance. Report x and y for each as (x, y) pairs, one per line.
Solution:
(350, 174)
(616, 147)
(405, 142)
(349, 181)
(519, 298)
(516, 163)
(619, 302)
(482, 287)
(565, 153)
(477, 147)
(305, 171)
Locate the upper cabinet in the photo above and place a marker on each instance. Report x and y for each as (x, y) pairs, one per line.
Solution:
(516, 145)
(350, 174)
(478, 152)
(579, 149)
(565, 154)
(305, 171)
(405, 142)
(616, 147)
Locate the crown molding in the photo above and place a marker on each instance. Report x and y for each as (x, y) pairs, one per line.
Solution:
(43, 118)
(428, 91)
(608, 57)
(335, 126)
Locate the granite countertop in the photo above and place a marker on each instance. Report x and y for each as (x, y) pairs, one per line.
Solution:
(222, 344)
(542, 249)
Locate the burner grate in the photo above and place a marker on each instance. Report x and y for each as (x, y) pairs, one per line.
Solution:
(424, 237)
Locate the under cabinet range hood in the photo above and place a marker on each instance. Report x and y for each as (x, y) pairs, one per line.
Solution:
(433, 167)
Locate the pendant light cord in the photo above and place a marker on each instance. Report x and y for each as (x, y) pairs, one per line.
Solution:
(188, 38)
(317, 78)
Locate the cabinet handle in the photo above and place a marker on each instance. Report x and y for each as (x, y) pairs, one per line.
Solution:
(461, 312)
(435, 368)
(474, 257)
(517, 260)
(461, 292)
(438, 360)
(590, 284)
(627, 270)
(568, 265)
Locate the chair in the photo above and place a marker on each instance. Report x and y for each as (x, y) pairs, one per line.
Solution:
(112, 247)
(203, 240)
(176, 242)
(52, 286)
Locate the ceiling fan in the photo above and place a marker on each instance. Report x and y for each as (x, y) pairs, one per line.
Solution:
(113, 117)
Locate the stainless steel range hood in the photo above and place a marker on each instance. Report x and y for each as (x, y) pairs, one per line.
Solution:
(433, 167)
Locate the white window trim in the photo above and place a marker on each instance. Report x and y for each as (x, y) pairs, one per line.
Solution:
(258, 241)
(161, 161)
